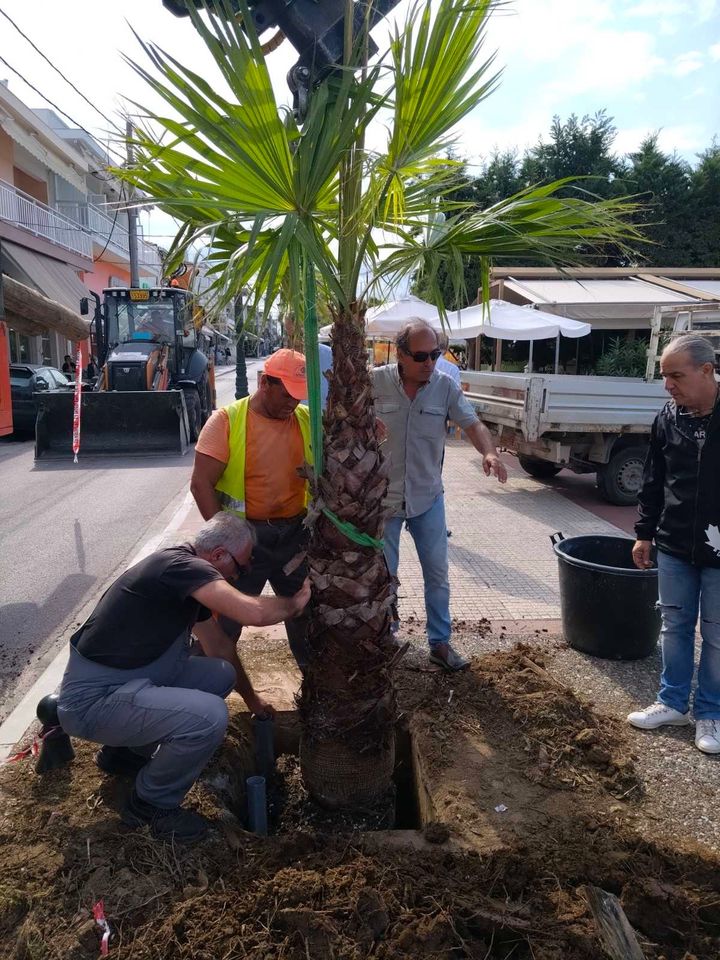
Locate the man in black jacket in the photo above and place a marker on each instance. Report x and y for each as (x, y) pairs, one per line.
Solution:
(680, 510)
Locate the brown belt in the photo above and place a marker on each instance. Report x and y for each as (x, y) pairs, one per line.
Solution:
(278, 521)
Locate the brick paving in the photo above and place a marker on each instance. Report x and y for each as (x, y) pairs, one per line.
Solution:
(502, 565)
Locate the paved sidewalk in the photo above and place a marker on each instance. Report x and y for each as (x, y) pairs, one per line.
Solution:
(502, 566)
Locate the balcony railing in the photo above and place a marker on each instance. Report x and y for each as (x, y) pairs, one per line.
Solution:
(110, 230)
(23, 211)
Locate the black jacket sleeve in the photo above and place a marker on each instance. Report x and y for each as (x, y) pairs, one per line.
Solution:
(651, 498)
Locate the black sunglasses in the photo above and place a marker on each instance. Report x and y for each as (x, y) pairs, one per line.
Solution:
(239, 571)
(420, 356)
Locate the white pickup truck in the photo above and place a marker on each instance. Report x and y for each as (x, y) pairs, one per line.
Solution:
(588, 424)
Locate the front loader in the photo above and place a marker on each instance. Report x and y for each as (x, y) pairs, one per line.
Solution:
(155, 389)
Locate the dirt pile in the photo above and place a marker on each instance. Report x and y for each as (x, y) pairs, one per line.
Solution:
(530, 823)
(569, 743)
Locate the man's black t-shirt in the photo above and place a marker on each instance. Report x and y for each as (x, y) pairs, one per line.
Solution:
(146, 609)
(696, 427)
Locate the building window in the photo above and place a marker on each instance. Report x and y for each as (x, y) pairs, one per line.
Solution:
(45, 351)
(19, 347)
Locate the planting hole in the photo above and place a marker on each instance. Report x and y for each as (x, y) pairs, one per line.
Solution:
(289, 805)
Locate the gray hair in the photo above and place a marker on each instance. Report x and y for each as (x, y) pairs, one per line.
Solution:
(698, 349)
(224, 530)
(414, 325)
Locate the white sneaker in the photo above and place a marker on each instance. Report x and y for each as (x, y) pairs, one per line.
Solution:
(659, 715)
(707, 735)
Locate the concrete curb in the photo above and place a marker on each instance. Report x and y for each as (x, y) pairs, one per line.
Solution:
(18, 723)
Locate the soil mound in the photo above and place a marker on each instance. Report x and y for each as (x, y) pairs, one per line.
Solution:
(520, 787)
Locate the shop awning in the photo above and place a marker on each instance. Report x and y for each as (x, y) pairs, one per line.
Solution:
(41, 294)
(212, 332)
(599, 302)
(55, 280)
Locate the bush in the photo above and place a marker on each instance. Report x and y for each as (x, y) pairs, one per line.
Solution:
(623, 358)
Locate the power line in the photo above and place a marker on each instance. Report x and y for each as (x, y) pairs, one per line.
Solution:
(112, 228)
(52, 104)
(58, 70)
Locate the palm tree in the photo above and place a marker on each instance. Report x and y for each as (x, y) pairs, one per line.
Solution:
(316, 205)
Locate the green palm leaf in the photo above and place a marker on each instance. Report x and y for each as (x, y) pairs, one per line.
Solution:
(537, 222)
(230, 165)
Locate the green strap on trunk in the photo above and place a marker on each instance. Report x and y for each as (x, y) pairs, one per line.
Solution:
(312, 367)
(352, 532)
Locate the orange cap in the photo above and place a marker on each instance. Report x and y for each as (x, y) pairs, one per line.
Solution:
(288, 366)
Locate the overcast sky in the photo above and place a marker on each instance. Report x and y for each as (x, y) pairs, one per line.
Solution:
(653, 64)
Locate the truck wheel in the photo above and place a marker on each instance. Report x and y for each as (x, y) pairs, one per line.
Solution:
(620, 479)
(192, 403)
(542, 469)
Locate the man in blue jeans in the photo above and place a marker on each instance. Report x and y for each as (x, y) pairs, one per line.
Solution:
(414, 401)
(680, 510)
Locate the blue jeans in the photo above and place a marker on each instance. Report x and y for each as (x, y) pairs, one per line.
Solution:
(684, 590)
(429, 531)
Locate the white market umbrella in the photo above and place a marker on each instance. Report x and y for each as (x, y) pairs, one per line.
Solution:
(509, 321)
(387, 319)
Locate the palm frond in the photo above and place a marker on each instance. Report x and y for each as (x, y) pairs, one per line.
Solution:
(439, 77)
(536, 222)
(228, 162)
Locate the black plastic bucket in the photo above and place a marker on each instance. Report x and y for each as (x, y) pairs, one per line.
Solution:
(608, 605)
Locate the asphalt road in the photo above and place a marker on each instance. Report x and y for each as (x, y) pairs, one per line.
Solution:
(67, 530)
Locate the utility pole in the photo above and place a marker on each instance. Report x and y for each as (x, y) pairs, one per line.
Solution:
(241, 380)
(132, 213)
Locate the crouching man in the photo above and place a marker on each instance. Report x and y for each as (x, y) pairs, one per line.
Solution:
(132, 685)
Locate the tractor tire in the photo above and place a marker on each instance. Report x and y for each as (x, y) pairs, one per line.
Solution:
(619, 480)
(192, 404)
(541, 469)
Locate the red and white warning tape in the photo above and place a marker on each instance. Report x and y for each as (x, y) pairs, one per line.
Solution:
(77, 403)
(99, 914)
(33, 750)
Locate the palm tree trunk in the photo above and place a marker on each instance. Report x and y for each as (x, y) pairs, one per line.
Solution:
(347, 701)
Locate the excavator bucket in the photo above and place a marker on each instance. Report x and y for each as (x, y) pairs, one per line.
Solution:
(131, 424)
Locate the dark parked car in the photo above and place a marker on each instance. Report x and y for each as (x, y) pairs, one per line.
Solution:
(27, 379)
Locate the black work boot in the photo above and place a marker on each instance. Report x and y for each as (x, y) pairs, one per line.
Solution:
(55, 747)
(174, 823)
(120, 761)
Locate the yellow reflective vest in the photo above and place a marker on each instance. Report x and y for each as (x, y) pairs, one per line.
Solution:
(231, 485)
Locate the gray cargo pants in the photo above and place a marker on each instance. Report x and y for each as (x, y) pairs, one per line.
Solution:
(172, 709)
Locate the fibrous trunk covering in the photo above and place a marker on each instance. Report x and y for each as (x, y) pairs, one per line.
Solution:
(347, 692)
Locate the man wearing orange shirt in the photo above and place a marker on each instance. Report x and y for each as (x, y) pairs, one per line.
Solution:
(246, 461)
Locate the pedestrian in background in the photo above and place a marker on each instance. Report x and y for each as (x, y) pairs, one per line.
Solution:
(443, 365)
